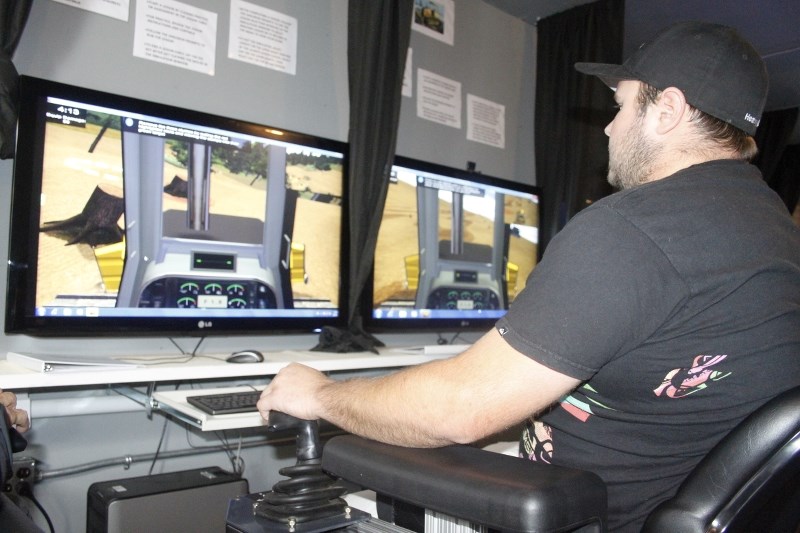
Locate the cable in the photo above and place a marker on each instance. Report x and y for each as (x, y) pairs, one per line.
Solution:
(197, 346)
(183, 352)
(128, 460)
(441, 341)
(161, 439)
(235, 458)
(171, 359)
(178, 346)
(24, 489)
(158, 448)
(225, 446)
(183, 358)
(237, 461)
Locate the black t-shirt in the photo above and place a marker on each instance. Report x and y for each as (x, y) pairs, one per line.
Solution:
(678, 304)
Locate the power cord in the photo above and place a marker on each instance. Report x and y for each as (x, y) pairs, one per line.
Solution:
(441, 341)
(172, 359)
(235, 457)
(164, 430)
(25, 490)
(193, 352)
(158, 448)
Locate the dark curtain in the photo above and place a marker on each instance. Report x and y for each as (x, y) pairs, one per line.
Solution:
(378, 33)
(13, 15)
(786, 179)
(572, 109)
(779, 162)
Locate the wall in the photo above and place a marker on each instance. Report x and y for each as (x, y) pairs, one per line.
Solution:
(492, 57)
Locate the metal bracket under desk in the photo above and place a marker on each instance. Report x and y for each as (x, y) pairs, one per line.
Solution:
(142, 398)
(175, 413)
(151, 404)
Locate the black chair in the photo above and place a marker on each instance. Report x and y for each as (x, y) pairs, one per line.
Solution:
(749, 482)
(12, 518)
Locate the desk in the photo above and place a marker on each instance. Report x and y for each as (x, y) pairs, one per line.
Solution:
(158, 368)
(155, 369)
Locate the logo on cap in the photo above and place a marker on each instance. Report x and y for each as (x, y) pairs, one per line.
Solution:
(751, 119)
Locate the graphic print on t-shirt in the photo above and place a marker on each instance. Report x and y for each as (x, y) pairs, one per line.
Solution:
(581, 409)
(682, 382)
(537, 437)
(537, 442)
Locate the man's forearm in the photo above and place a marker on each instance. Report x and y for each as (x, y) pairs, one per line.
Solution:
(413, 407)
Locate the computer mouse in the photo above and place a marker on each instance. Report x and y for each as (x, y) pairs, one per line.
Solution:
(245, 356)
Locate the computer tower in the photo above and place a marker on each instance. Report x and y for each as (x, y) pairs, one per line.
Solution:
(191, 500)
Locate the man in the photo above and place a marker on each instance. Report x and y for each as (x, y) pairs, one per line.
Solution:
(658, 318)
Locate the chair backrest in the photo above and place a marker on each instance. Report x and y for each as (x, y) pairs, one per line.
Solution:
(750, 481)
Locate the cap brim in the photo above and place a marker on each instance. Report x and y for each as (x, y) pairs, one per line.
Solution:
(611, 75)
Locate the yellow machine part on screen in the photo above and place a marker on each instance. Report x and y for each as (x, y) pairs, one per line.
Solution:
(111, 258)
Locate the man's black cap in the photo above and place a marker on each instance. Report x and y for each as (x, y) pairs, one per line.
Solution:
(718, 71)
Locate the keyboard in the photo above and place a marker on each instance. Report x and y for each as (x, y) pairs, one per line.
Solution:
(226, 403)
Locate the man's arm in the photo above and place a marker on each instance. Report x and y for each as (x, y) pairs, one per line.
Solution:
(482, 391)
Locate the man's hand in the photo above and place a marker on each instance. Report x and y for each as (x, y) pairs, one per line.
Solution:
(19, 417)
(295, 390)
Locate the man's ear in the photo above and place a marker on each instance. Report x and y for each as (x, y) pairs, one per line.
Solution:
(672, 107)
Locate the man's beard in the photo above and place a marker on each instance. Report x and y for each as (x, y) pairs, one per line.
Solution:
(630, 162)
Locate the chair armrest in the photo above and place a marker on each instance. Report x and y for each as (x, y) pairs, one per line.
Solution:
(499, 491)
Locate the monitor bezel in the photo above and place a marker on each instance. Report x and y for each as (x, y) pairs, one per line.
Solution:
(24, 227)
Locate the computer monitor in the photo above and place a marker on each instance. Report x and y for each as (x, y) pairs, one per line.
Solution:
(454, 248)
(134, 217)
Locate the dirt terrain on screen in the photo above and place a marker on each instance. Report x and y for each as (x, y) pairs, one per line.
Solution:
(398, 239)
(71, 174)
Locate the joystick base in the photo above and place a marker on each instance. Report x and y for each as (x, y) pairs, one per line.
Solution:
(242, 519)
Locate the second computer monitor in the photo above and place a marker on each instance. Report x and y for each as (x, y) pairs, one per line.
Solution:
(454, 248)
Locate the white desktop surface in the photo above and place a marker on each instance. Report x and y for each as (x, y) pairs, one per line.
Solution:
(160, 368)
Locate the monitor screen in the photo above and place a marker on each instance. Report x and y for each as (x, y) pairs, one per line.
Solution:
(454, 248)
(136, 217)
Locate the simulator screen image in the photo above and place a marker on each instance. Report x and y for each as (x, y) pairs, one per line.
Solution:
(140, 212)
(451, 247)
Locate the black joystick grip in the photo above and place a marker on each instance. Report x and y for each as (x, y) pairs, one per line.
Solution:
(308, 444)
(309, 493)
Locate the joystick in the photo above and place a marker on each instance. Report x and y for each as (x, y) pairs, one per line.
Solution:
(309, 500)
(309, 493)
